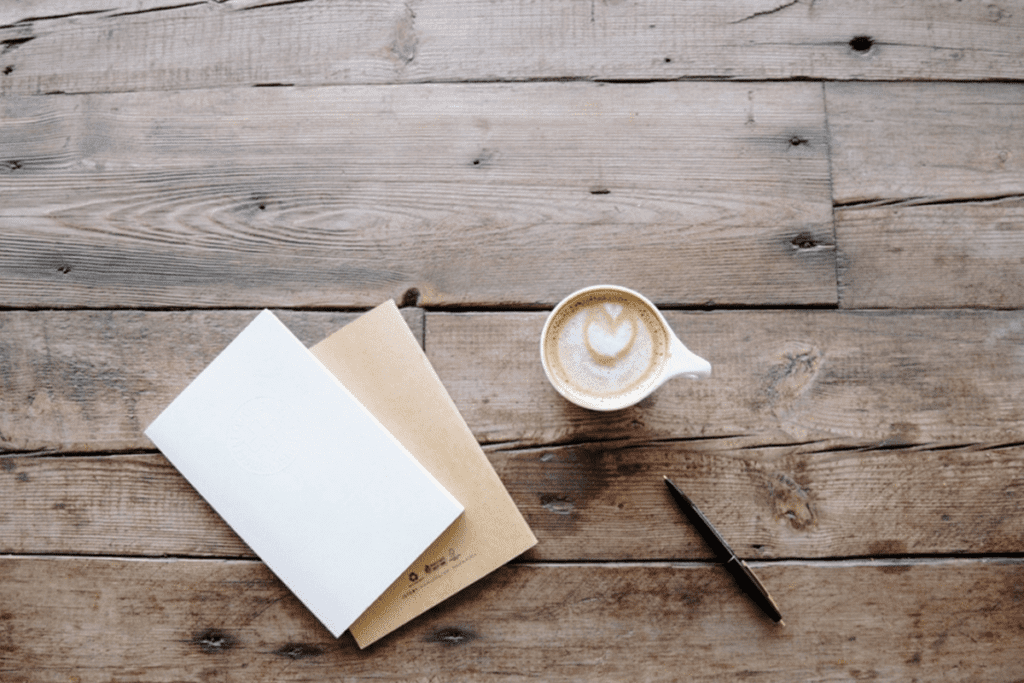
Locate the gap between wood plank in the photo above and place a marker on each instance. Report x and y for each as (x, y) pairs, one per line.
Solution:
(844, 562)
(523, 81)
(701, 78)
(449, 308)
(624, 443)
(924, 201)
(620, 444)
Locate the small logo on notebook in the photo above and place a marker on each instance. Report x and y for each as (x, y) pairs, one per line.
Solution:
(452, 555)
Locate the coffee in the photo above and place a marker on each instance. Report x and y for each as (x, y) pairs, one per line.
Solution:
(604, 346)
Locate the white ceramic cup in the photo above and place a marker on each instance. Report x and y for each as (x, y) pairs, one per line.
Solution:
(607, 347)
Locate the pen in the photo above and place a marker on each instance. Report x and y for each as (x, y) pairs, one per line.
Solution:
(737, 567)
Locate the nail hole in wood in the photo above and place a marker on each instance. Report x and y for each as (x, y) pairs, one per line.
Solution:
(804, 241)
(861, 43)
(452, 637)
(299, 651)
(212, 641)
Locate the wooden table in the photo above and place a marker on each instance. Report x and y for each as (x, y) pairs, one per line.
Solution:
(825, 196)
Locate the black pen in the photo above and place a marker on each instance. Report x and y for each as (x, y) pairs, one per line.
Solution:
(737, 567)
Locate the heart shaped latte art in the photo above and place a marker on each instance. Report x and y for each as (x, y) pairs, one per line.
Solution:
(609, 340)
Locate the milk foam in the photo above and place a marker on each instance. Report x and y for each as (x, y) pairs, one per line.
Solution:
(606, 345)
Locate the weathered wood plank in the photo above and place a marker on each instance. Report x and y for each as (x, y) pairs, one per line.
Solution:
(152, 44)
(913, 255)
(92, 380)
(930, 182)
(601, 502)
(940, 141)
(151, 621)
(872, 377)
(136, 505)
(72, 381)
(482, 194)
(585, 502)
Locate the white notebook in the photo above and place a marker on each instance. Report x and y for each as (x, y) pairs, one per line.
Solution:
(333, 504)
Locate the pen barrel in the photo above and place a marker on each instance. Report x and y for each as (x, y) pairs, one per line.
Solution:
(737, 567)
(750, 585)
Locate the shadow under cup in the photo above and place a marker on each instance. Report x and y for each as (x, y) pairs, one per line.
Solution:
(608, 347)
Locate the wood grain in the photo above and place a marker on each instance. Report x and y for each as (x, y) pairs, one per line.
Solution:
(603, 502)
(948, 141)
(91, 380)
(168, 167)
(882, 377)
(82, 381)
(134, 505)
(121, 45)
(930, 184)
(509, 195)
(594, 502)
(91, 620)
(921, 255)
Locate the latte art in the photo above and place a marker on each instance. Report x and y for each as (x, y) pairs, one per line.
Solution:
(608, 336)
(605, 344)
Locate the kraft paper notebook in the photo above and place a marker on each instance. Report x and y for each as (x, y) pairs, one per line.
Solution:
(333, 504)
(379, 360)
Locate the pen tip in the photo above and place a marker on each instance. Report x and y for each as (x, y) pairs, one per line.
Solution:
(781, 622)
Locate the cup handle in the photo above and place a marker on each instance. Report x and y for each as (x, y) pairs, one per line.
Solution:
(682, 362)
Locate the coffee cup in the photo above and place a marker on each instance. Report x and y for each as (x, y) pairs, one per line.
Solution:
(607, 347)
